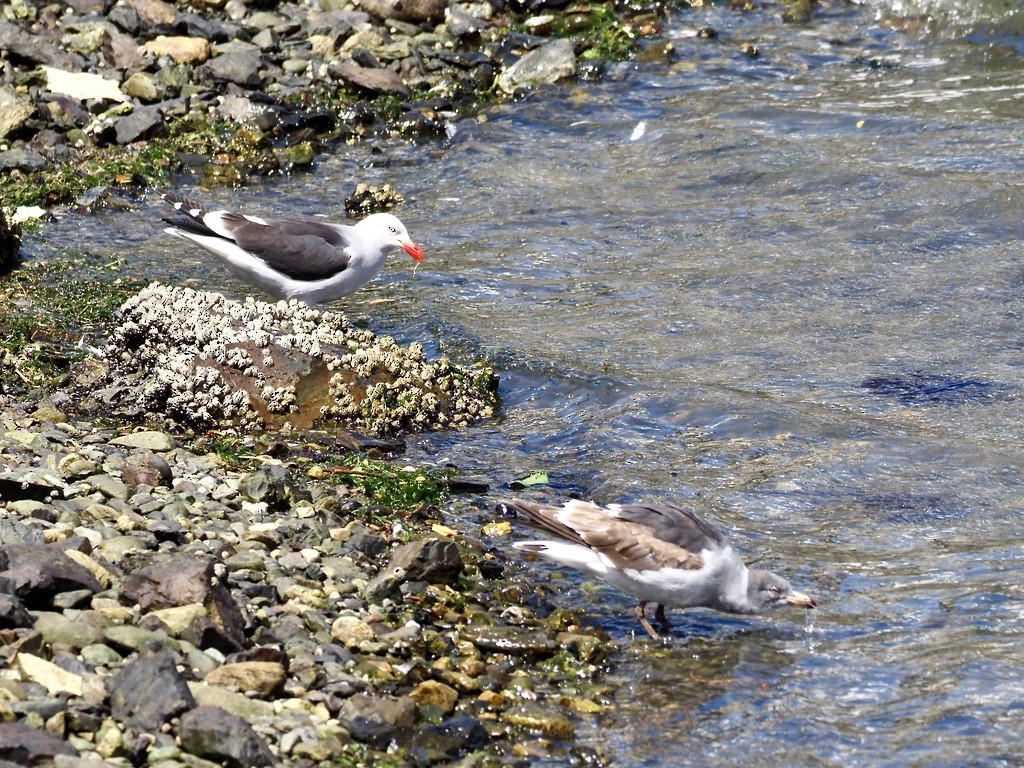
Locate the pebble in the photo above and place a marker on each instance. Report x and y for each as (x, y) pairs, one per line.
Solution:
(253, 611)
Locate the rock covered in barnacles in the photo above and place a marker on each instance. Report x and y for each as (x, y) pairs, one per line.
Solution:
(202, 361)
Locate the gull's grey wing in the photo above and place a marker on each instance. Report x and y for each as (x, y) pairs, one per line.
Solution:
(301, 248)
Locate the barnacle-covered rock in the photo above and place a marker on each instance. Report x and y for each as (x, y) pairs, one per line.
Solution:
(201, 361)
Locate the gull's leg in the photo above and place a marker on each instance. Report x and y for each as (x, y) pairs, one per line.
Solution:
(641, 616)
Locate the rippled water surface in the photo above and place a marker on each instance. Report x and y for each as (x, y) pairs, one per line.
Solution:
(783, 290)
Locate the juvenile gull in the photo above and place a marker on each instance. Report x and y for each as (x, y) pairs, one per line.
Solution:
(293, 257)
(658, 553)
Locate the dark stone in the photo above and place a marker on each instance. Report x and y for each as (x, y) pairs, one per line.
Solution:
(23, 745)
(179, 579)
(13, 615)
(376, 719)
(417, 11)
(147, 468)
(167, 530)
(511, 640)
(139, 125)
(20, 44)
(451, 738)
(369, 543)
(213, 734)
(209, 29)
(21, 160)
(148, 692)
(37, 573)
(240, 67)
(372, 79)
(126, 18)
(271, 485)
(433, 560)
(10, 242)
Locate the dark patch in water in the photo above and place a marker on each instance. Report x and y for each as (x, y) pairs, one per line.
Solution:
(932, 388)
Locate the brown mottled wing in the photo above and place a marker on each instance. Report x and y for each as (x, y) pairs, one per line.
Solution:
(301, 248)
(635, 537)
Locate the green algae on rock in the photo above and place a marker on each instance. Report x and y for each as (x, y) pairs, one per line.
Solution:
(201, 361)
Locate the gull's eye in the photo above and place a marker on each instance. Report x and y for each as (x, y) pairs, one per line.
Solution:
(774, 590)
(392, 230)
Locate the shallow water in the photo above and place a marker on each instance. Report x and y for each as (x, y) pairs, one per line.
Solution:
(793, 303)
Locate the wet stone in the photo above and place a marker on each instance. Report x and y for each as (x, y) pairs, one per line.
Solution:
(513, 640)
(376, 719)
(22, 745)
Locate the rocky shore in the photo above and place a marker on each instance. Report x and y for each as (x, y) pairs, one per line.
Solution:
(159, 608)
(118, 94)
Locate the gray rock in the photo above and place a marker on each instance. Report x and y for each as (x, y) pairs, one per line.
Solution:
(547, 64)
(434, 560)
(110, 487)
(23, 745)
(128, 638)
(214, 734)
(511, 640)
(451, 738)
(146, 440)
(21, 159)
(149, 691)
(180, 579)
(19, 43)
(375, 80)
(376, 719)
(239, 65)
(406, 10)
(139, 125)
(271, 485)
(37, 573)
(143, 86)
(13, 113)
(13, 615)
(77, 633)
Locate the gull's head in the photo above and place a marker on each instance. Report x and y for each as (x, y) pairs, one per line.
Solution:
(766, 591)
(391, 233)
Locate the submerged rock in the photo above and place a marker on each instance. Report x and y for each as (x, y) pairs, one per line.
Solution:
(547, 64)
(199, 360)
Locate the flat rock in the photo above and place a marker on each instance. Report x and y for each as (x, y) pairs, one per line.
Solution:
(512, 640)
(214, 734)
(433, 693)
(149, 691)
(351, 630)
(264, 678)
(148, 440)
(82, 85)
(21, 159)
(236, 703)
(432, 559)
(377, 80)
(38, 572)
(548, 64)
(47, 674)
(237, 66)
(19, 43)
(152, 13)
(182, 50)
(139, 125)
(417, 11)
(77, 633)
(376, 719)
(23, 745)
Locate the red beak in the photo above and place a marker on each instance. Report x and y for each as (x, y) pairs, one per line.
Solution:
(413, 250)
